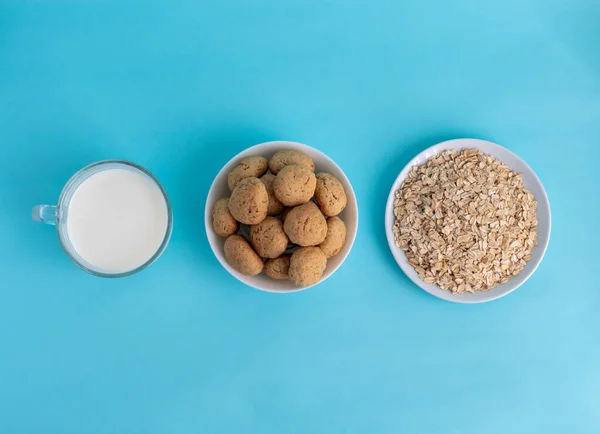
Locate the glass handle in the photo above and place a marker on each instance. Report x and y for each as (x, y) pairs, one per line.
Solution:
(45, 214)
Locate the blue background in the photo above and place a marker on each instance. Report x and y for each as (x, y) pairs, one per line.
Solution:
(182, 86)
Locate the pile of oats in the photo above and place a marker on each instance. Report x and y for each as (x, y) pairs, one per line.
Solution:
(465, 221)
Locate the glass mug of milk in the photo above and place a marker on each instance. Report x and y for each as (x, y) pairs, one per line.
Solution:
(113, 218)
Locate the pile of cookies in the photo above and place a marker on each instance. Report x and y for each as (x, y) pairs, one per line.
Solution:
(291, 214)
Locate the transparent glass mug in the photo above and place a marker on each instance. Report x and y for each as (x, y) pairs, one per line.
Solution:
(58, 214)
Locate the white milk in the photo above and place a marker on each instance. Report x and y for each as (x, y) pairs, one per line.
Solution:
(117, 219)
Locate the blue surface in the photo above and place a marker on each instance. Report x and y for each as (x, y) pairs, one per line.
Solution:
(180, 87)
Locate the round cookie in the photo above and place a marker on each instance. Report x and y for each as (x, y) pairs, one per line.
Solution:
(249, 166)
(330, 194)
(288, 157)
(268, 238)
(278, 268)
(249, 201)
(335, 238)
(305, 225)
(275, 207)
(223, 222)
(239, 254)
(294, 185)
(307, 265)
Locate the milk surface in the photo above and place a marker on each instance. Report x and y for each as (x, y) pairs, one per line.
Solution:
(117, 219)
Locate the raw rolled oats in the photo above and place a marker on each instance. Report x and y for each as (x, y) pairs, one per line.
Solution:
(465, 221)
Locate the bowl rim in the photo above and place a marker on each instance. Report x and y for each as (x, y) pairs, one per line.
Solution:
(285, 144)
(399, 255)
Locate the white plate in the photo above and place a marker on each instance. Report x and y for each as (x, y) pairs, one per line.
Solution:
(323, 163)
(531, 182)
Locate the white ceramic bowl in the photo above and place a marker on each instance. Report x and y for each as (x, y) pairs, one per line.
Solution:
(530, 180)
(322, 164)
